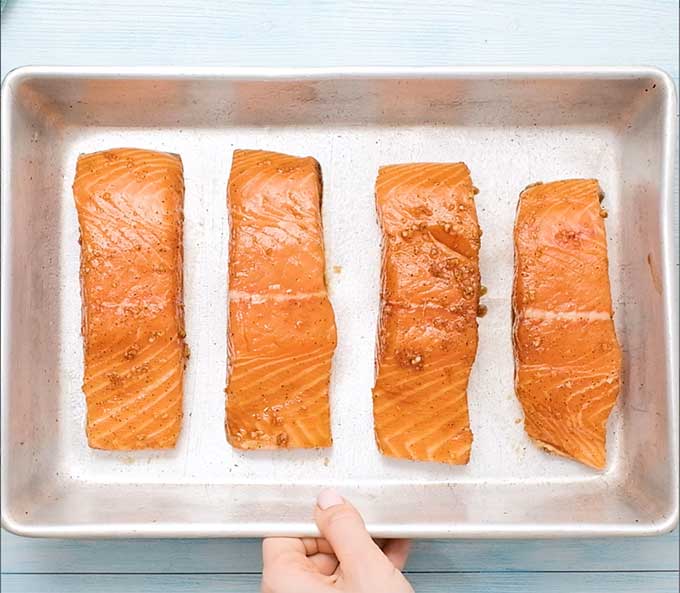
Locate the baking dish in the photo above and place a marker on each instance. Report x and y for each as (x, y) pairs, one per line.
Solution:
(511, 126)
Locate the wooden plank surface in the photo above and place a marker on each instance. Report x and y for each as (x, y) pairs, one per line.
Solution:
(438, 582)
(333, 33)
(22, 555)
(329, 32)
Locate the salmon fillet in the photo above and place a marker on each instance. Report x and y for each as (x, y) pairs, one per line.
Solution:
(129, 205)
(427, 335)
(281, 326)
(568, 361)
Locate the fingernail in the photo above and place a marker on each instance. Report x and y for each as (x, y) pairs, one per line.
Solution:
(328, 498)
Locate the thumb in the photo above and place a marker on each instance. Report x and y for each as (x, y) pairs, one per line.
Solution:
(342, 526)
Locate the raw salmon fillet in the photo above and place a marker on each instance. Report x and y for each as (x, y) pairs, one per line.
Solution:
(281, 325)
(427, 335)
(568, 361)
(130, 205)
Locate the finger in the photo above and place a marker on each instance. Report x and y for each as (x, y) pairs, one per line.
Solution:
(274, 547)
(286, 568)
(324, 563)
(318, 551)
(316, 545)
(397, 551)
(282, 581)
(342, 526)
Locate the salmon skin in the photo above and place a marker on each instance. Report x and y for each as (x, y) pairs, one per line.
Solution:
(427, 335)
(130, 205)
(567, 358)
(282, 333)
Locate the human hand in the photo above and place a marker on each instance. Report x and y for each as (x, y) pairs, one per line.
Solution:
(345, 558)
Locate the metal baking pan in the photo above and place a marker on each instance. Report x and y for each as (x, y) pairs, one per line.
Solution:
(511, 126)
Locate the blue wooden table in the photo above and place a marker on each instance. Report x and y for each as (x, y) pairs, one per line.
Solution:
(329, 33)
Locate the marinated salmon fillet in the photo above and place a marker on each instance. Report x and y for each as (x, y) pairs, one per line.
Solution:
(281, 326)
(427, 335)
(568, 361)
(130, 205)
